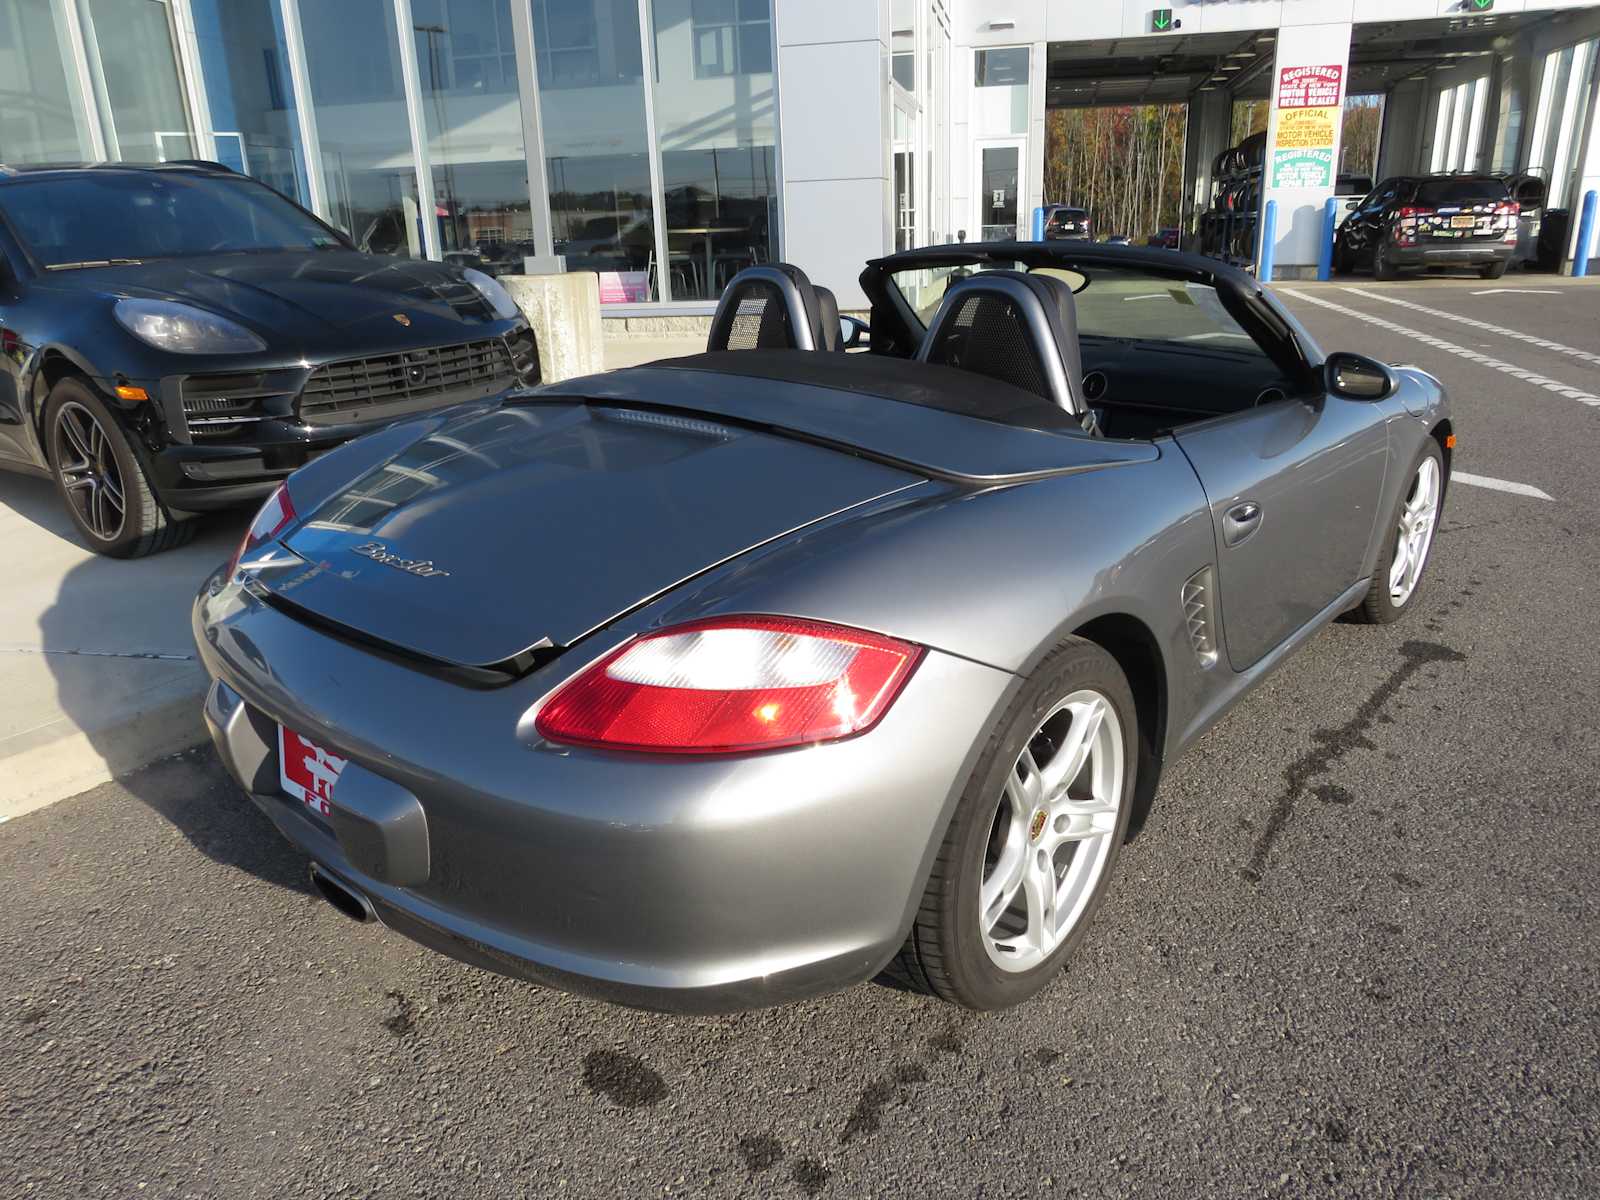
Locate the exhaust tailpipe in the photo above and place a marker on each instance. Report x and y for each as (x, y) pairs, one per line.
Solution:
(343, 897)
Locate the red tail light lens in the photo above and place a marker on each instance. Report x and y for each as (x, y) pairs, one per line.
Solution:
(276, 515)
(1410, 210)
(728, 685)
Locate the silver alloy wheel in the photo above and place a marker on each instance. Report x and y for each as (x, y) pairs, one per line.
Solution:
(89, 471)
(1053, 832)
(1414, 532)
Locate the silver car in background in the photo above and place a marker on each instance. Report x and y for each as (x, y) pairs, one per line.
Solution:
(742, 677)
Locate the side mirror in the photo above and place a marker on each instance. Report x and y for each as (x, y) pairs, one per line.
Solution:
(1357, 377)
(853, 332)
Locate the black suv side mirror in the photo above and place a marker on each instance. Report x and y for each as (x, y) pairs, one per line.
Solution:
(1357, 377)
(853, 332)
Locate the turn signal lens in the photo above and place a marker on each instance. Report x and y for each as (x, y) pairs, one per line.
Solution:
(275, 516)
(125, 392)
(727, 685)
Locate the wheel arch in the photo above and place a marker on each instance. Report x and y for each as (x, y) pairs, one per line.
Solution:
(1138, 652)
(1444, 433)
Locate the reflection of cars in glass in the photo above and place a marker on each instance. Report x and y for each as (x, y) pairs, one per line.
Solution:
(180, 338)
(1412, 222)
(609, 242)
(691, 686)
(1063, 222)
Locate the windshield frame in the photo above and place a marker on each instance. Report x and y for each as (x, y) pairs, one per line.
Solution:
(41, 268)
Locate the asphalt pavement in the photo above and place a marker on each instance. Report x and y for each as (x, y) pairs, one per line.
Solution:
(1356, 951)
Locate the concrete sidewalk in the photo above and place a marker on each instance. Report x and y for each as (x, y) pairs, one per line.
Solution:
(98, 672)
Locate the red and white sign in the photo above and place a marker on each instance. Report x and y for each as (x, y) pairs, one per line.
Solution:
(306, 770)
(624, 287)
(1311, 87)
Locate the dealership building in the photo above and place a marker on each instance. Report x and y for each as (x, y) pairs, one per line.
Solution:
(666, 143)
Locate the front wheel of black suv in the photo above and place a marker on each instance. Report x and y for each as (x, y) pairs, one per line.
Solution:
(101, 479)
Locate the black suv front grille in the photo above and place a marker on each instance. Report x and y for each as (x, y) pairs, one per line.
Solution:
(360, 389)
(216, 406)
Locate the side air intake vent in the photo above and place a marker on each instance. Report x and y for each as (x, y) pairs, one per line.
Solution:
(1197, 598)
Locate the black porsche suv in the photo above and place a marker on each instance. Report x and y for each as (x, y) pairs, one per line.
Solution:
(1426, 221)
(178, 338)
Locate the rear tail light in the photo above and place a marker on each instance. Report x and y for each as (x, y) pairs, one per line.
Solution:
(276, 515)
(1506, 215)
(728, 685)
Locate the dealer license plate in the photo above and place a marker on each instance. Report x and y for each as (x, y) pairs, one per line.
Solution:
(307, 771)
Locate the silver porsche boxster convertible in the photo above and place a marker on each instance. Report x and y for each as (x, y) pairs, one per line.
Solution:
(842, 650)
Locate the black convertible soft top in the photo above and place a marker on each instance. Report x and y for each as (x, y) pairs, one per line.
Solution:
(930, 385)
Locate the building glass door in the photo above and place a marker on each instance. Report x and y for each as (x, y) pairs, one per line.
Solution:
(999, 172)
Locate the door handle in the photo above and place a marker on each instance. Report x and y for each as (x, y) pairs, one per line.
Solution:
(1240, 521)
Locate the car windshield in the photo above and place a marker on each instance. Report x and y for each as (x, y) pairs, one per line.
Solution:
(101, 216)
(1112, 302)
(1436, 193)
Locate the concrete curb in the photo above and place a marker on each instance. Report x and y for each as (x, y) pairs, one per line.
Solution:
(40, 775)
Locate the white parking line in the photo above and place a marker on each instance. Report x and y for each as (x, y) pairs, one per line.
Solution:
(1427, 339)
(1499, 485)
(1587, 356)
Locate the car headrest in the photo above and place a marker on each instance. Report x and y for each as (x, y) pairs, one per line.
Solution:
(827, 318)
(768, 308)
(1018, 327)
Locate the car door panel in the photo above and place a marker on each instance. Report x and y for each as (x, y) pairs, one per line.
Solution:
(1293, 488)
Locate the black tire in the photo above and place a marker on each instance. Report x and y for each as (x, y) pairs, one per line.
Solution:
(1382, 268)
(1341, 259)
(1494, 270)
(944, 954)
(89, 483)
(1379, 607)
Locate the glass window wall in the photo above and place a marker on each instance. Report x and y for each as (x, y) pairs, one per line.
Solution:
(717, 135)
(592, 104)
(135, 70)
(467, 72)
(358, 100)
(245, 68)
(41, 109)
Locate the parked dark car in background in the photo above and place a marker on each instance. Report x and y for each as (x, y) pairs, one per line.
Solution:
(1062, 221)
(180, 338)
(1412, 222)
(1165, 238)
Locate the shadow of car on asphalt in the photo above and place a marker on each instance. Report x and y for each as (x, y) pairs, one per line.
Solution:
(117, 641)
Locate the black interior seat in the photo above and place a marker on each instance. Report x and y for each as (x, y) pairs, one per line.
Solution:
(827, 317)
(1016, 327)
(772, 307)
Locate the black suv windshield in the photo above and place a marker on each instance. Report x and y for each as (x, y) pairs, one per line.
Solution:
(101, 216)
(1436, 193)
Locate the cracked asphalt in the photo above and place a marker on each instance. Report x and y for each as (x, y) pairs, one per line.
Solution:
(1355, 952)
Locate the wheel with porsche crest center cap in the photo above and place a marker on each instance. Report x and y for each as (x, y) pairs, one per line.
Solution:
(1035, 837)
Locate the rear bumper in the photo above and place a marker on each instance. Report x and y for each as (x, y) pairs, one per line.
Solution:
(1468, 254)
(691, 885)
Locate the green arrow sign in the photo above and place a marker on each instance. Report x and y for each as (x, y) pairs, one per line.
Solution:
(1161, 20)
(1480, 5)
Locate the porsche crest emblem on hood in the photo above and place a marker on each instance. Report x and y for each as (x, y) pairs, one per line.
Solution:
(403, 319)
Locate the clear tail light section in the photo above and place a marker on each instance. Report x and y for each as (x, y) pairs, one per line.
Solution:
(1506, 219)
(276, 515)
(731, 685)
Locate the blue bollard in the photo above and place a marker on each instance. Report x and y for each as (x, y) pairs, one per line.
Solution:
(1330, 222)
(1580, 257)
(1269, 238)
(1038, 224)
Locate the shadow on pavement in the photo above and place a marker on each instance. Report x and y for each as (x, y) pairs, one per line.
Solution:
(117, 644)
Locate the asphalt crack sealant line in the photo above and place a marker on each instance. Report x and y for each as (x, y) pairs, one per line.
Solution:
(1427, 339)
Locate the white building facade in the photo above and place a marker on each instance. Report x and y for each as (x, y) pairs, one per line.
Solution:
(667, 143)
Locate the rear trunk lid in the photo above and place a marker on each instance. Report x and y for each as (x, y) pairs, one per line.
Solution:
(508, 529)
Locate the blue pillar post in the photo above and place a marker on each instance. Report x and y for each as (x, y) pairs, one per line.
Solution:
(1038, 224)
(1330, 221)
(1580, 257)
(1269, 240)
